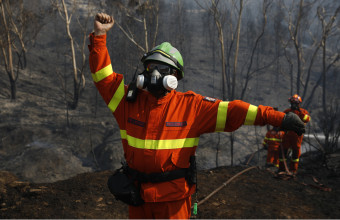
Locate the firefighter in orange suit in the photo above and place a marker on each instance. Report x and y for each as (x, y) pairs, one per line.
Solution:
(292, 141)
(160, 127)
(272, 142)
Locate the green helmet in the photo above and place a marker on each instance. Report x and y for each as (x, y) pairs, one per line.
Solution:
(166, 53)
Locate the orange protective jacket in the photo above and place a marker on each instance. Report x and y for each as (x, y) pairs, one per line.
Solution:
(273, 139)
(160, 135)
(290, 136)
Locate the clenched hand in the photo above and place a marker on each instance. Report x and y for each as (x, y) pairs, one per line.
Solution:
(292, 122)
(102, 23)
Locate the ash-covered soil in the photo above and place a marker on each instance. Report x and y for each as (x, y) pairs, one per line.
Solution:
(257, 193)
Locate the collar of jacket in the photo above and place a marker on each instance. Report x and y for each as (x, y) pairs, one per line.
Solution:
(153, 100)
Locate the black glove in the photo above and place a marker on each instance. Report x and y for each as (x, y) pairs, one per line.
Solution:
(292, 122)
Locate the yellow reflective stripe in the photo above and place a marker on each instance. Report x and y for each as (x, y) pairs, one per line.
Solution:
(305, 118)
(251, 115)
(162, 52)
(102, 73)
(273, 139)
(123, 134)
(295, 160)
(117, 97)
(159, 144)
(282, 160)
(221, 116)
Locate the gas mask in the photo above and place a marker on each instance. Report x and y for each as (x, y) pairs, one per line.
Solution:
(157, 78)
(154, 81)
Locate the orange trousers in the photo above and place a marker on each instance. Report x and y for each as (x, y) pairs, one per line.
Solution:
(273, 155)
(291, 141)
(180, 209)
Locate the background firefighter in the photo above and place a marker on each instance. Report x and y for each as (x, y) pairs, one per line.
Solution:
(160, 127)
(291, 140)
(272, 142)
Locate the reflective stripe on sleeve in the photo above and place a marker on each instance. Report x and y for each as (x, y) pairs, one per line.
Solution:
(305, 118)
(251, 115)
(221, 116)
(273, 139)
(102, 73)
(295, 160)
(159, 144)
(117, 97)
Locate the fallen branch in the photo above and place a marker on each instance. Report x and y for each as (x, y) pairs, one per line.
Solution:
(319, 186)
(322, 188)
(224, 184)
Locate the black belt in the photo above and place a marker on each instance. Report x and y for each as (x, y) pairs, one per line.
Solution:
(156, 177)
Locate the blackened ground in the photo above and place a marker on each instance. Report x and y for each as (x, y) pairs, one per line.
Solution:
(256, 193)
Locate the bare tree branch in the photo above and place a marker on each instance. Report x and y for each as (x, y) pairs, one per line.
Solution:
(130, 37)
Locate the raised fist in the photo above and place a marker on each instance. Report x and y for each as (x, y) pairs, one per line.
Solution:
(102, 23)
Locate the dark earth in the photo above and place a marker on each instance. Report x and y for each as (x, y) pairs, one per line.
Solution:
(257, 193)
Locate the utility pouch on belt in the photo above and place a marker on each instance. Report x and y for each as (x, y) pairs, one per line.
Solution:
(121, 183)
(124, 189)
